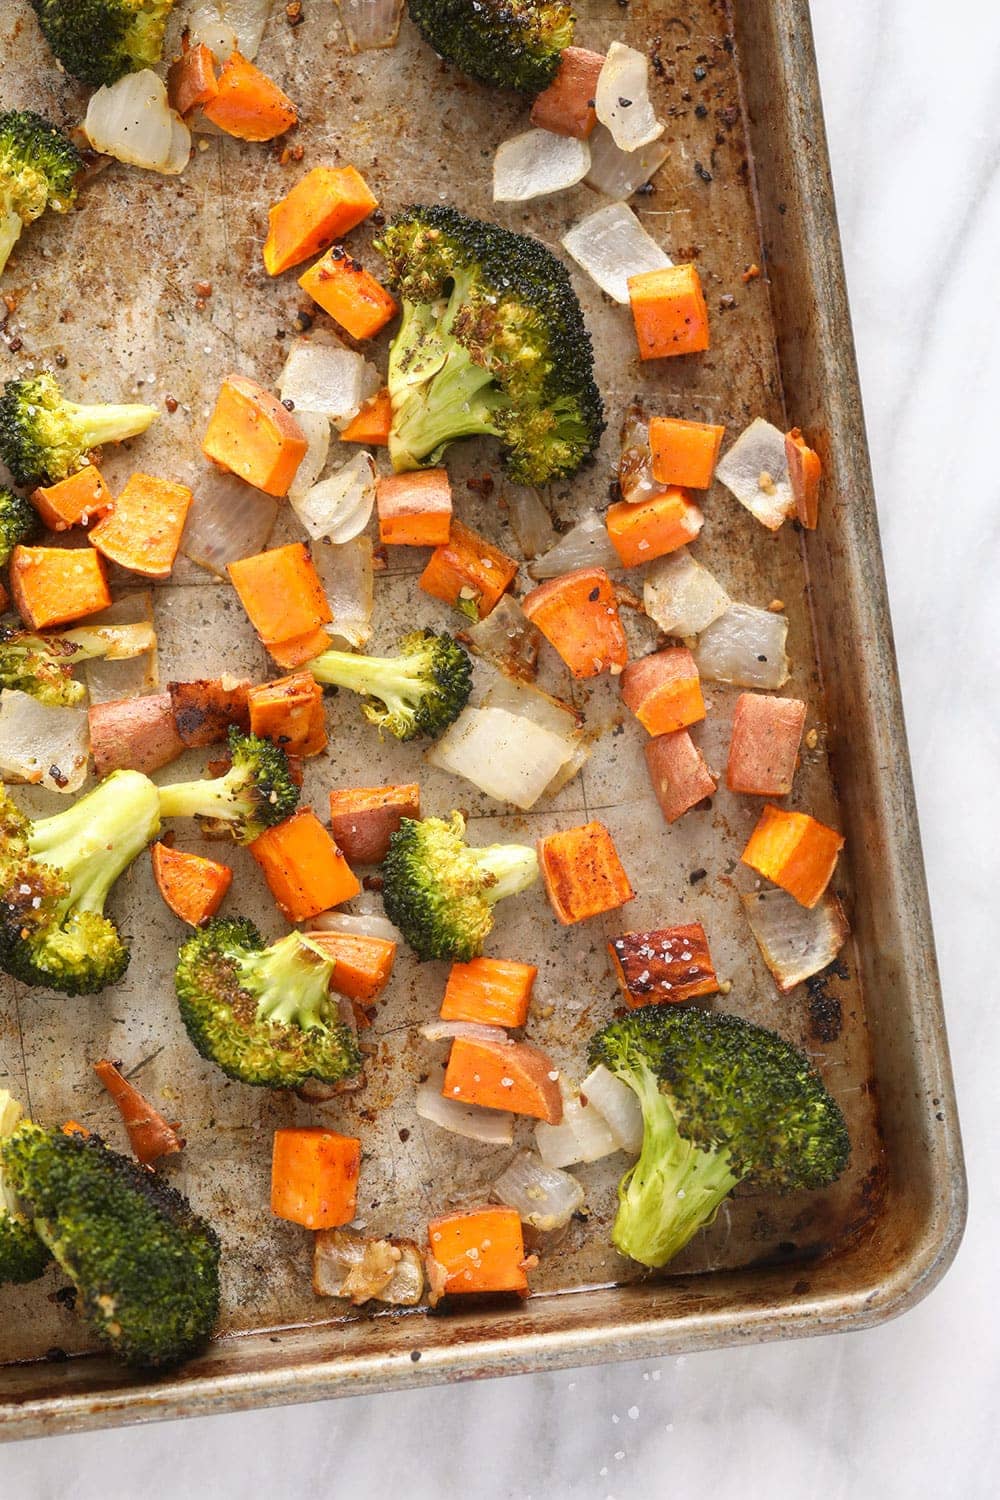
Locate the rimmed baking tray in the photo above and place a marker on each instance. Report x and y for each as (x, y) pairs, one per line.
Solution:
(114, 293)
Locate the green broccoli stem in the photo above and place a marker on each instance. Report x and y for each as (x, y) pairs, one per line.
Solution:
(674, 1189)
(458, 401)
(95, 840)
(10, 231)
(398, 681)
(223, 797)
(95, 425)
(290, 982)
(513, 867)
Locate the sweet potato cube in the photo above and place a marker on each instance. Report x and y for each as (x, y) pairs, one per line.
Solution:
(669, 312)
(191, 80)
(349, 293)
(795, 851)
(252, 435)
(206, 709)
(414, 510)
(503, 1075)
(304, 869)
(314, 1177)
(490, 991)
(578, 616)
(670, 964)
(323, 206)
(192, 886)
(248, 104)
(142, 530)
(468, 572)
(75, 501)
(641, 530)
(566, 107)
(477, 1250)
(664, 690)
(54, 585)
(364, 818)
(373, 423)
(678, 773)
(764, 748)
(284, 599)
(363, 963)
(804, 474)
(290, 712)
(138, 734)
(684, 453)
(582, 872)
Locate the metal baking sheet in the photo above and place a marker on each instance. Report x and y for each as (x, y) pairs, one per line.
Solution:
(111, 295)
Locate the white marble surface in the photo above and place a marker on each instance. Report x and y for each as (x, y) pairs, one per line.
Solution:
(903, 1412)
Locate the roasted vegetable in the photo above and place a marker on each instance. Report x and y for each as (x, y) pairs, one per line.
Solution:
(42, 664)
(38, 170)
(18, 522)
(44, 437)
(255, 793)
(23, 1257)
(101, 40)
(511, 44)
(419, 692)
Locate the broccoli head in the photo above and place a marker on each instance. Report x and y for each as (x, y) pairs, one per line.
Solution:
(492, 341)
(722, 1100)
(23, 1257)
(44, 437)
(18, 522)
(441, 894)
(42, 664)
(55, 876)
(256, 792)
(39, 167)
(511, 44)
(264, 1015)
(99, 41)
(419, 692)
(145, 1266)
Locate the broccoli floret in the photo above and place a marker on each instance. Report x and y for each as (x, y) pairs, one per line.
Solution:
(44, 437)
(18, 522)
(419, 692)
(55, 876)
(511, 44)
(23, 1257)
(101, 40)
(42, 664)
(39, 167)
(145, 1266)
(441, 894)
(722, 1100)
(256, 792)
(492, 341)
(264, 1015)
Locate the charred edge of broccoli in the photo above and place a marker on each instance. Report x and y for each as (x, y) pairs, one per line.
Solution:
(509, 44)
(99, 41)
(19, 523)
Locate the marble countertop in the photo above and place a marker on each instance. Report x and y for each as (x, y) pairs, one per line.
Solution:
(907, 1410)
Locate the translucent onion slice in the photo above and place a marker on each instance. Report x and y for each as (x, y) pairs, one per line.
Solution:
(583, 1136)
(228, 520)
(619, 174)
(545, 1197)
(316, 427)
(507, 757)
(320, 374)
(537, 163)
(586, 545)
(371, 23)
(618, 1104)
(755, 470)
(611, 245)
(346, 1264)
(348, 577)
(745, 647)
(507, 639)
(42, 745)
(493, 1127)
(796, 942)
(635, 467)
(621, 99)
(529, 702)
(340, 506)
(248, 18)
(682, 596)
(473, 1031)
(132, 121)
(573, 767)
(206, 27)
(357, 924)
(118, 675)
(530, 521)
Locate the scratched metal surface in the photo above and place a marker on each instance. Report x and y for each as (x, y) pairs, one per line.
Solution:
(111, 291)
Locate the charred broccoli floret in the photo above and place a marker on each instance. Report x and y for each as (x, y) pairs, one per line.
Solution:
(722, 1100)
(42, 664)
(38, 170)
(492, 341)
(264, 1015)
(44, 437)
(441, 894)
(419, 692)
(55, 876)
(511, 44)
(101, 40)
(18, 522)
(23, 1257)
(256, 792)
(145, 1266)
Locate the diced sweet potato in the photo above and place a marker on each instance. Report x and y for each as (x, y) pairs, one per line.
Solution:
(684, 453)
(503, 1075)
(678, 772)
(314, 1176)
(476, 1250)
(670, 964)
(303, 867)
(664, 690)
(795, 851)
(322, 206)
(55, 585)
(136, 734)
(804, 473)
(642, 530)
(142, 530)
(582, 873)
(668, 308)
(284, 600)
(363, 963)
(349, 293)
(414, 510)
(75, 501)
(204, 710)
(764, 748)
(254, 436)
(364, 818)
(193, 887)
(578, 615)
(290, 712)
(468, 572)
(566, 107)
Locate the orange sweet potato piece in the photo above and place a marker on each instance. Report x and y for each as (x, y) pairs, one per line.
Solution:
(75, 501)
(669, 312)
(54, 585)
(364, 963)
(284, 599)
(142, 530)
(248, 104)
(373, 423)
(290, 712)
(414, 510)
(582, 873)
(664, 690)
(642, 530)
(794, 851)
(477, 1250)
(193, 887)
(150, 1135)
(684, 453)
(323, 206)
(364, 818)
(670, 964)
(206, 709)
(503, 1075)
(349, 293)
(137, 734)
(314, 1177)
(678, 773)
(578, 616)
(468, 572)
(191, 80)
(566, 107)
(493, 991)
(764, 748)
(252, 435)
(804, 473)
(304, 869)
